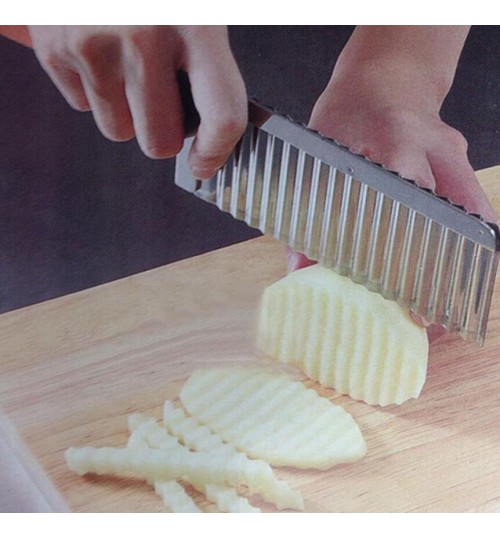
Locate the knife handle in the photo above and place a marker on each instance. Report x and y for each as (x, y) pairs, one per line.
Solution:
(191, 115)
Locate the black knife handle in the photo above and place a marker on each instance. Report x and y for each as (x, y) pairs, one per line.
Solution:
(191, 115)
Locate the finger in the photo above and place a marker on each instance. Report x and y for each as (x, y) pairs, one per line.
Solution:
(155, 105)
(434, 332)
(70, 85)
(110, 109)
(66, 79)
(411, 165)
(156, 110)
(102, 80)
(455, 179)
(419, 320)
(220, 98)
(297, 260)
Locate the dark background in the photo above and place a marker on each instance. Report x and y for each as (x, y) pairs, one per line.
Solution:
(77, 210)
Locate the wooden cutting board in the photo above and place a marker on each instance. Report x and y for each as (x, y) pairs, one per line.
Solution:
(72, 369)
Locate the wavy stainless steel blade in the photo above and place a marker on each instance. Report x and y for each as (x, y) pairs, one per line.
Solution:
(359, 218)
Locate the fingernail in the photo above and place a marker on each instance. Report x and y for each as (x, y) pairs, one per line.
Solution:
(425, 322)
(292, 261)
(419, 320)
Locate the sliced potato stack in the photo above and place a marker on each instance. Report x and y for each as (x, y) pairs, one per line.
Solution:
(343, 336)
(236, 413)
(209, 465)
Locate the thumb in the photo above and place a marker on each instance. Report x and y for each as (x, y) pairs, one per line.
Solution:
(220, 97)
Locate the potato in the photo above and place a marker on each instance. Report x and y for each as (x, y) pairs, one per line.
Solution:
(272, 417)
(343, 336)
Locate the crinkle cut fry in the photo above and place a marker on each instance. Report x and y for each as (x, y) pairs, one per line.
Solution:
(161, 464)
(198, 437)
(175, 497)
(264, 481)
(189, 431)
(227, 499)
(145, 432)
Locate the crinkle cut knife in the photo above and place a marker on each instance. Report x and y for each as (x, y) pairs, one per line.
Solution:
(358, 218)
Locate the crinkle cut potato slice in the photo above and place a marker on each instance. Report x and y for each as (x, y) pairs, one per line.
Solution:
(269, 416)
(343, 336)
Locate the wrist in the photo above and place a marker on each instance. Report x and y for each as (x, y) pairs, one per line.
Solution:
(412, 67)
(389, 82)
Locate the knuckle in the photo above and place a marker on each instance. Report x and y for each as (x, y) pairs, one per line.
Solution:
(202, 32)
(142, 49)
(226, 128)
(207, 39)
(96, 48)
(99, 56)
(88, 50)
(232, 125)
(141, 38)
(457, 139)
(50, 60)
(102, 88)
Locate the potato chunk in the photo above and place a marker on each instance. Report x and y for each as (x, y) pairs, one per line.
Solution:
(269, 416)
(343, 336)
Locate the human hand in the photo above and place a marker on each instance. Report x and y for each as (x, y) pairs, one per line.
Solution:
(383, 125)
(127, 77)
(382, 106)
(416, 143)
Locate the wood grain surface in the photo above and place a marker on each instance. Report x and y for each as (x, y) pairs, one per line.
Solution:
(72, 369)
